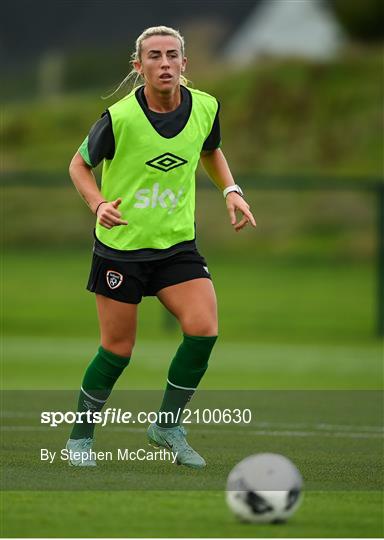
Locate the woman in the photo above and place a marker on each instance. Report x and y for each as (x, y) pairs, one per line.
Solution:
(150, 143)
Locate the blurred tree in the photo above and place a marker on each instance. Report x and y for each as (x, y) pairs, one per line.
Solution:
(101, 68)
(362, 19)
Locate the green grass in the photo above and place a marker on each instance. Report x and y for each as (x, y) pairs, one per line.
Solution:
(49, 363)
(175, 514)
(267, 301)
(334, 438)
(284, 326)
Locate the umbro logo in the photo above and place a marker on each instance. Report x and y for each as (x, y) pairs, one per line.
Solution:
(90, 406)
(166, 162)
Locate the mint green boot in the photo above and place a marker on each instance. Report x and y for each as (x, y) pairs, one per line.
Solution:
(174, 439)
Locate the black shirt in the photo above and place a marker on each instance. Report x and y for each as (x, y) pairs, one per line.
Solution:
(101, 141)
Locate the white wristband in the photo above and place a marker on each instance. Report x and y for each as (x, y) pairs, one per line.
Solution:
(235, 188)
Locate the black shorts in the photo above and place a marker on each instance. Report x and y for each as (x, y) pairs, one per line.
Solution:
(130, 281)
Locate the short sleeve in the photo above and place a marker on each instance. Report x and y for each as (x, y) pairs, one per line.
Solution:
(100, 142)
(213, 140)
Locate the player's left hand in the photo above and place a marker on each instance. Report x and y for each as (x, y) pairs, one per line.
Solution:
(235, 202)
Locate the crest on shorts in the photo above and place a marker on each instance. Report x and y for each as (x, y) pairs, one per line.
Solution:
(114, 279)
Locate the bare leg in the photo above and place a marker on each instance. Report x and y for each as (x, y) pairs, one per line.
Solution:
(194, 305)
(118, 322)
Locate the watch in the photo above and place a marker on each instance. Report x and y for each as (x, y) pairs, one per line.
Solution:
(235, 188)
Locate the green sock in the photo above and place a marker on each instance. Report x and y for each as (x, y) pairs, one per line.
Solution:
(99, 378)
(185, 372)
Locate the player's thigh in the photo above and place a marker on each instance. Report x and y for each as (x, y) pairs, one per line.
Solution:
(194, 304)
(118, 322)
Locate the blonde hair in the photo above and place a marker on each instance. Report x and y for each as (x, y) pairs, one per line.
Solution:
(136, 56)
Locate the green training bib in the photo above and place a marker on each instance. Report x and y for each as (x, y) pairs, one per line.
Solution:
(154, 175)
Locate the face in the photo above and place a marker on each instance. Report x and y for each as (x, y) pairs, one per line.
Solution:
(161, 62)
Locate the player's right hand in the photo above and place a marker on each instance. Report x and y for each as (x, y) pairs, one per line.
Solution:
(108, 214)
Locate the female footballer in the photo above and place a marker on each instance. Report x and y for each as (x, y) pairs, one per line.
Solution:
(150, 143)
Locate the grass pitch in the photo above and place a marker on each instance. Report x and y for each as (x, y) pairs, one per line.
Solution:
(268, 341)
(341, 464)
(182, 514)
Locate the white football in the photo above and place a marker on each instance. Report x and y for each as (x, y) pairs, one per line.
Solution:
(264, 488)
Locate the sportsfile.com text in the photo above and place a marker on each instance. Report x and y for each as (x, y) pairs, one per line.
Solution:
(119, 416)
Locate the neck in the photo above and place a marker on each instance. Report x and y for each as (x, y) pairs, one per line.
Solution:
(162, 101)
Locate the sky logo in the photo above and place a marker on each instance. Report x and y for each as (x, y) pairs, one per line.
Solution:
(148, 198)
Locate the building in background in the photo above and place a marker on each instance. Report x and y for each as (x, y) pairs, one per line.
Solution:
(307, 29)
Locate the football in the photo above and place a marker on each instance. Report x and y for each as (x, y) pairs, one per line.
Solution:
(264, 488)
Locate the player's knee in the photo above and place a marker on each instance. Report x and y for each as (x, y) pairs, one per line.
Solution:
(200, 327)
(122, 347)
